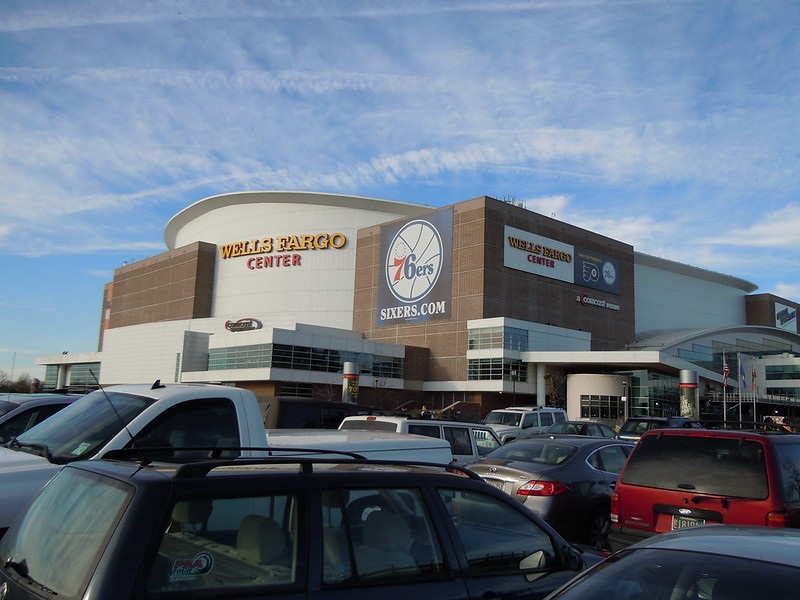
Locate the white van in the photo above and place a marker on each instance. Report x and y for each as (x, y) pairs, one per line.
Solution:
(369, 444)
(468, 441)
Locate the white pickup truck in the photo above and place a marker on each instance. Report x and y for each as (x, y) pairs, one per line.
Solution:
(174, 420)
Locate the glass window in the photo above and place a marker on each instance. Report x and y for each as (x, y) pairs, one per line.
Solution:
(710, 465)
(485, 441)
(497, 538)
(459, 438)
(609, 459)
(387, 532)
(789, 463)
(227, 543)
(212, 424)
(69, 523)
(670, 574)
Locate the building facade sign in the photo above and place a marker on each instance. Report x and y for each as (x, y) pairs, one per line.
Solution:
(281, 251)
(246, 324)
(785, 317)
(416, 279)
(526, 251)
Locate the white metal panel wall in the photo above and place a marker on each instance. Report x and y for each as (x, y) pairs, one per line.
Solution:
(318, 291)
(668, 300)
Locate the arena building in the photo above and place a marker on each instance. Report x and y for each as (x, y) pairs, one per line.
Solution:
(465, 308)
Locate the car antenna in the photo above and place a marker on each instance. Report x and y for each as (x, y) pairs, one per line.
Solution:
(116, 412)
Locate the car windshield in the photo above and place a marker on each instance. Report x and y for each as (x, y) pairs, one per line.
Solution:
(82, 428)
(651, 573)
(640, 426)
(503, 418)
(76, 514)
(534, 451)
(704, 465)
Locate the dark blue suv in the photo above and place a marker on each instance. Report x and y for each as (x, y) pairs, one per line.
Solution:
(286, 528)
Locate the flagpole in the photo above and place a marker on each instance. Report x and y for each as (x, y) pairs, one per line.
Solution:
(725, 372)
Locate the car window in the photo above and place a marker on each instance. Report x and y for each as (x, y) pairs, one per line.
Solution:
(76, 514)
(485, 441)
(429, 430)
(609, 459)
(210, 424)
(460, 439)
(378, 535)
(788, 456)
(705, 465)
(670, 575)
(228, 543)
(546, 419)
(530, 420)
(540, 451)
(497, 538)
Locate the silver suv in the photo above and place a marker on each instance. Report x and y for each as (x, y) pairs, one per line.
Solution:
(523, 421)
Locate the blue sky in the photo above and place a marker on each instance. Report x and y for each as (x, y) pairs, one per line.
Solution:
(670, 125)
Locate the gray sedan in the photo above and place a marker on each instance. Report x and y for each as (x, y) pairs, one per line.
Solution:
(566, 480)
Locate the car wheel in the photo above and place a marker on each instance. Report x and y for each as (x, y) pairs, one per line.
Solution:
(598, 530)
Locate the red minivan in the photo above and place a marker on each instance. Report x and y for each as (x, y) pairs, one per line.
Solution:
(678, 478)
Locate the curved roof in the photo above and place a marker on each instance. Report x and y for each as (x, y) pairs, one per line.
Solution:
(665, 264)
(206, 205)
(664, 340)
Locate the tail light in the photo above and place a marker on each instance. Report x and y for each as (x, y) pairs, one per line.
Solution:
(777, 519)
(542, 488)
(614, 507)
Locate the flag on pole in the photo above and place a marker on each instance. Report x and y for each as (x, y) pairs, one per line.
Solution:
(742, 376)
(726, 370)
(753, 376)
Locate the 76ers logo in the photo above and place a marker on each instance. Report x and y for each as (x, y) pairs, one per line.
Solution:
(414, 261)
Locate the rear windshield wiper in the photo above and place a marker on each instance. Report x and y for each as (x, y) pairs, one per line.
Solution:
(723, 500)
(21, 569)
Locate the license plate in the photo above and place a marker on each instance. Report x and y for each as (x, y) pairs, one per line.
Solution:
(680, 522)
(495, 483)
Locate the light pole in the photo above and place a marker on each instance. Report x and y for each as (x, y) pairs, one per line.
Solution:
(624, 400)
(513, 387)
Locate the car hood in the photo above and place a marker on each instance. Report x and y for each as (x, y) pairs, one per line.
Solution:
(22, 475)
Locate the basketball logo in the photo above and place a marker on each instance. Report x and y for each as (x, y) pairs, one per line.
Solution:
(414, 261)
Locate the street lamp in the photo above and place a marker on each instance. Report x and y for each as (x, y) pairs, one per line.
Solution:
(513, 387)
(624, 400)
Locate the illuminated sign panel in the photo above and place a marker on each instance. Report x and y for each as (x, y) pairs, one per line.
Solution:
(281, 251)
(415, 282)
(785, 317)
(526, 251)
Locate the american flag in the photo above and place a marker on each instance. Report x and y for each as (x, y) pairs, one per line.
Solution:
(726, 370)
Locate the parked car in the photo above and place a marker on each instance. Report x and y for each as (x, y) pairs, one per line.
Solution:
(679, 478)
(32, 411)
(566, 480)
(279, 528)
(589, 428)
(469, 441)
(522, 421)
(712, 562)
(633, 428)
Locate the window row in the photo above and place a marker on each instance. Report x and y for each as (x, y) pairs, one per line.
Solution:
(481, 369)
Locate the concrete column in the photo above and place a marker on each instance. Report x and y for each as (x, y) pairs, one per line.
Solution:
(350, 383)
(541, 390)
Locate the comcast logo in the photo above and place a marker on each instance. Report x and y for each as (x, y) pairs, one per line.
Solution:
(414, 261)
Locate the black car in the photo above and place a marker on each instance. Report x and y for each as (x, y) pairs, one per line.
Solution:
(288, 527)
(566, 480)
(31, 411)
(710, 562)
(633, 428)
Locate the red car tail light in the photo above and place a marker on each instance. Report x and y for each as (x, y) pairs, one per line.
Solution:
(777, 519)
(614, 507)
(542, 488)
